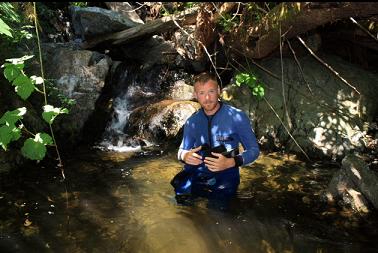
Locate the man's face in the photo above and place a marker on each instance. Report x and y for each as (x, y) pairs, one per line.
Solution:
(207, 95)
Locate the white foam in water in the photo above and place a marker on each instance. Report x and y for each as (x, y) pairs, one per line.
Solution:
(106, 145)
(121, 148)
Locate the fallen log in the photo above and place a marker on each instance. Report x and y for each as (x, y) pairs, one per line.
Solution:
(153, 27)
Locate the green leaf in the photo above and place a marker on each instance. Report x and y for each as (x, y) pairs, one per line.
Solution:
(8, 134)
(5, 29)
(258, 91)
(241, 78)
(251, 81)
(11, 117)
(16, 134)
(11, 72)
(21, 80)
(43, 138)
(5, 136)
(24, 86)
(33, 149)
(20, 66)
(7, 11)
(50, 112)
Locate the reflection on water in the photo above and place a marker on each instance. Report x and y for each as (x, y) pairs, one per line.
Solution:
(114, 202)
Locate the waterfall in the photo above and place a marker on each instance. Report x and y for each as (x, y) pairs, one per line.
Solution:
(121, 114)
(134, 87)
(114, 137)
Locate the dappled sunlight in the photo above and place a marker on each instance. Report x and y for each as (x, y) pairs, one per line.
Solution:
(334, 133)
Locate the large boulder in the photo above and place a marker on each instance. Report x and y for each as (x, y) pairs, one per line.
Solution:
(355, 185)
(78, 75)
(160, 121)
(94, 21)
(326, 116)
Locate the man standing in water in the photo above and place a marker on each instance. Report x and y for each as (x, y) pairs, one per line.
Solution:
(210, 145)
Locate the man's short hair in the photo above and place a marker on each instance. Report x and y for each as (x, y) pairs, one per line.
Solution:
(204, 77)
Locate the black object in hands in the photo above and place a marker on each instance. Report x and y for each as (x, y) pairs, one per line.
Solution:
(179, 181)
(206, 151)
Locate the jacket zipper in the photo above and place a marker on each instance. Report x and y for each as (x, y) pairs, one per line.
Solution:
(209, 119)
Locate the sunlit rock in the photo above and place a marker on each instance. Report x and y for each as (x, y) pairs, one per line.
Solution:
(354, 185)
(78, 75)
(161, 121)
(93, 21)
(181, 91)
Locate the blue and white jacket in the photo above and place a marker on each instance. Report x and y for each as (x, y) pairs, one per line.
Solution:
(229, 126)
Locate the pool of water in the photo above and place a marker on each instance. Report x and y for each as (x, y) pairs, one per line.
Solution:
(120, 202)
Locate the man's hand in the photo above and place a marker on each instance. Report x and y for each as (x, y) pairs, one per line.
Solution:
(192, 158)
(220, 163)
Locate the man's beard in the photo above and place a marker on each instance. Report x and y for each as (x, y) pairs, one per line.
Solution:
(209, 106)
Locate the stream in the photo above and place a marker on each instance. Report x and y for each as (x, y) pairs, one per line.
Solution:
(123, 202)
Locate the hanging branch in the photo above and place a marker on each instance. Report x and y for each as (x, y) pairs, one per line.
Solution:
(329, 67)
(364, 29)
(60, 164)
(275, 76)
(299, 66)
(287, 130)
(283, 84)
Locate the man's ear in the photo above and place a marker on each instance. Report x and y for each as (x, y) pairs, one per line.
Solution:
(194, 94)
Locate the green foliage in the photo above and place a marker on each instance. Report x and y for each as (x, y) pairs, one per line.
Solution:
(189, 4)
(8, 130)
(35, 149)
(165, 12)
(10, 122)
(50, 113)
(253, 83)
(169, 8)
(5, 29)
(228, 22)
(13, 72)
(12, 24)
(8, 12)
(11, 117)
(79, 4)
(8, 15)
(255, 13)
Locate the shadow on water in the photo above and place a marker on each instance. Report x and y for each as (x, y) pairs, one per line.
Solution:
(117, 202)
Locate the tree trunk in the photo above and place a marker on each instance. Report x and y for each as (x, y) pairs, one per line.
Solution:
(294, 19)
